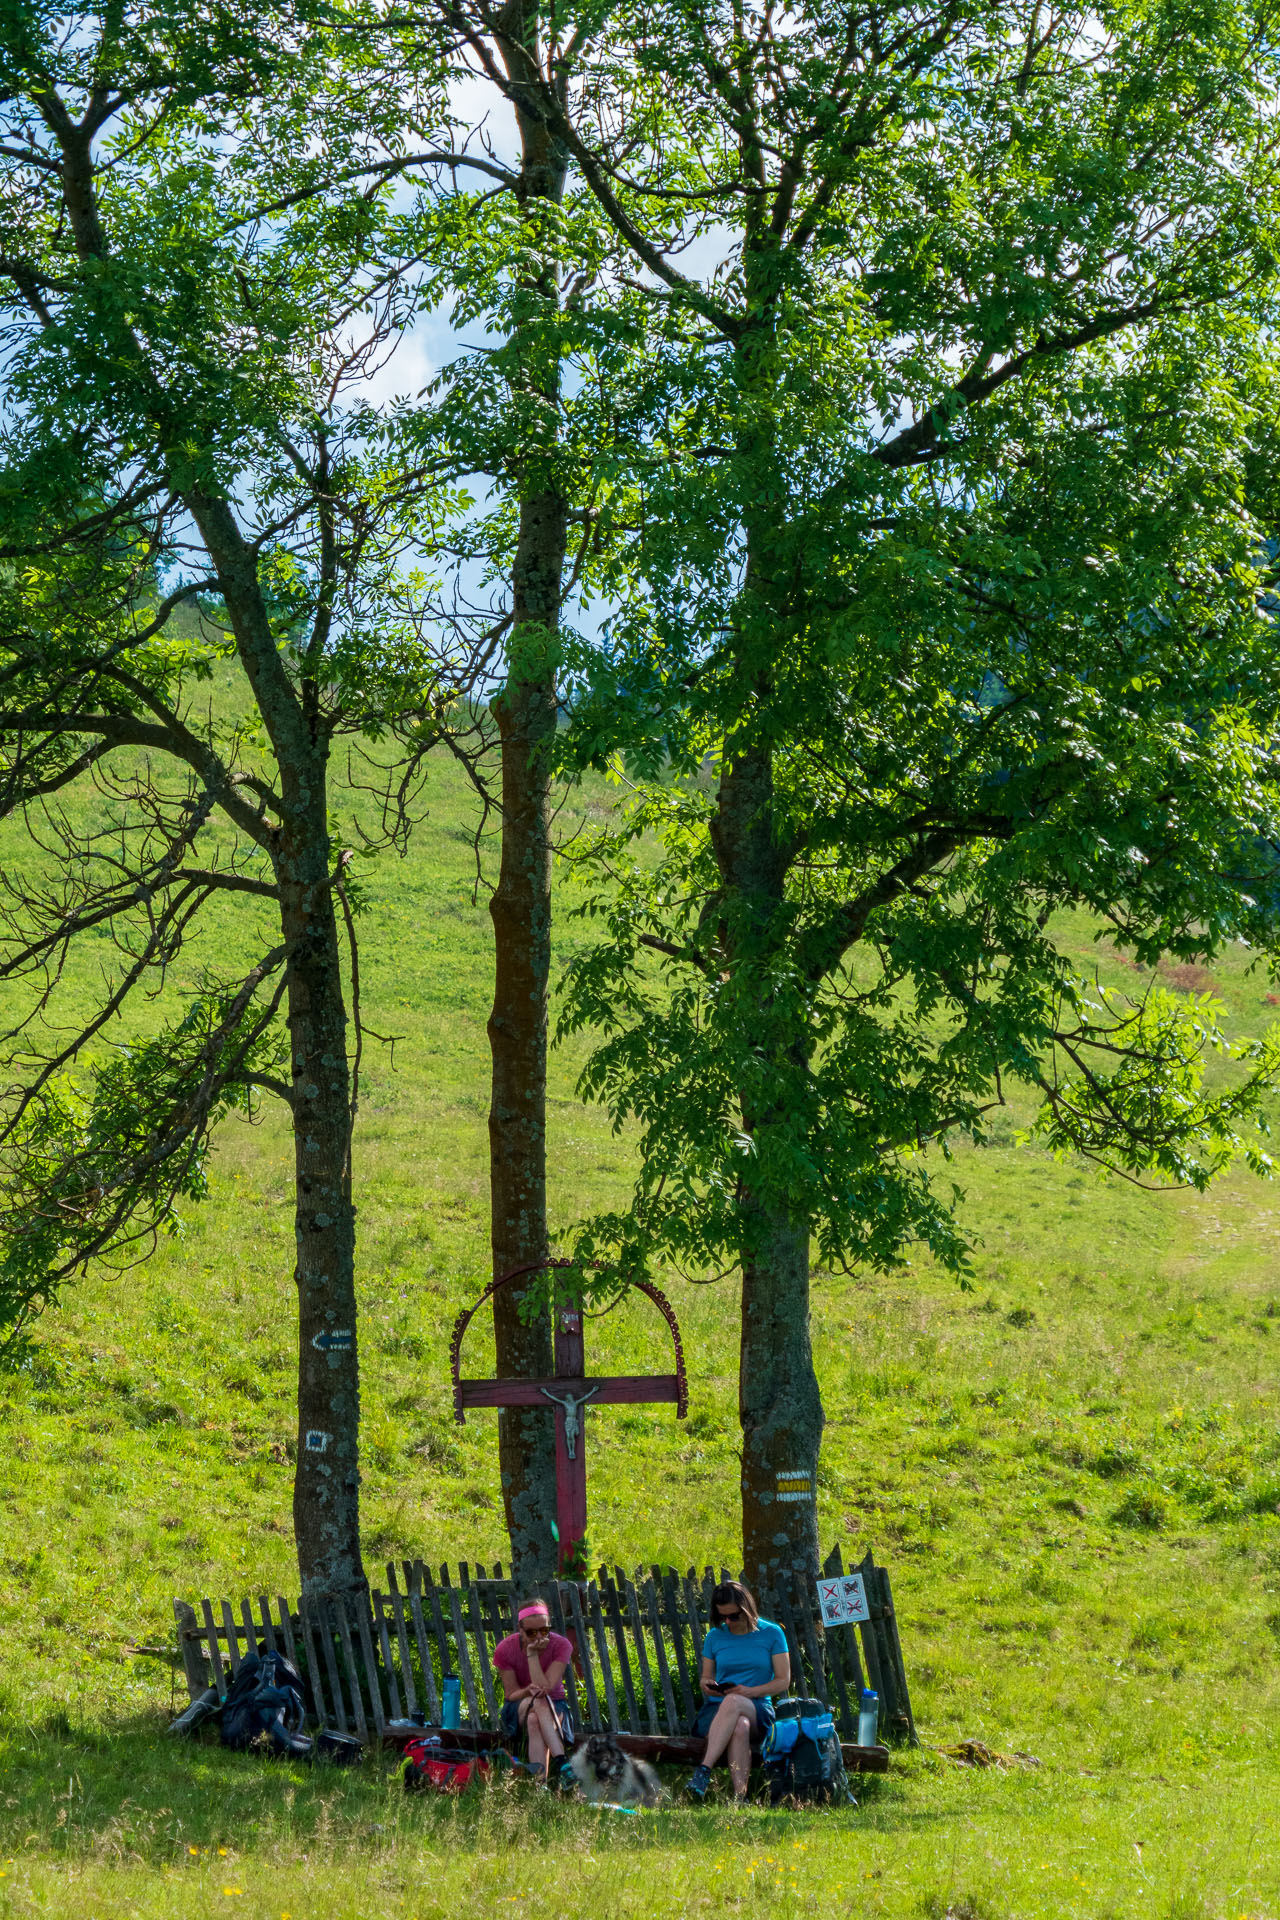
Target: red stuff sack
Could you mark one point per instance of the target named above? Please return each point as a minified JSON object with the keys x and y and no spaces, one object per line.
{"x":436,"y":1770}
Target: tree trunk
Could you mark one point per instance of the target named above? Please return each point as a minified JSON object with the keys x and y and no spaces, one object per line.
{"x":326,"y":1490}
{"x":521,"y":906}
{"x":779,"y":1405}
{"x":521,"y":910}
{"x":780,"y":1410}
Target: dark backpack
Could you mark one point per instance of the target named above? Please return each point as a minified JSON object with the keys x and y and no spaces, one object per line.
{"x":801,"y":1755}
{"x":265,"y":1705}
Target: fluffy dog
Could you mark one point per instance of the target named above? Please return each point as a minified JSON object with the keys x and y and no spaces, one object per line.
{"x":604,"y":1772}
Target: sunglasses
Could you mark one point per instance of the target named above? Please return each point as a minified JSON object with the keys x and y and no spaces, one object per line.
{"x":735,"y":1615}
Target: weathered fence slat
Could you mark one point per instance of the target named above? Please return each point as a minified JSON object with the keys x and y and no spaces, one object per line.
{"x":381,"y":1609}
{"x":642,"y":1654}
{"x":425,"y":1655}
{"x":402,"y":1641}
{"x":268,"y":1631}
{"x":193,"y":1662}
{"x":696,"y":1629}
{"x":584,"y":1653}
{"x":315,"y":1672}
{"x":355,"y":1690}
{"x":609,"y":1596}
{"x":562,"y":1626}
{"x":233,"y":1644}
{"x":361,"y":1608}
{"x":660,"y":1655}
{"x":665,"y":1586}
{"x":895,"y":1653}
{"x":477,"y":1625}
{"x":602,"y":1649}
{"x":250,"y":1630}
{"x":450,"y":1593}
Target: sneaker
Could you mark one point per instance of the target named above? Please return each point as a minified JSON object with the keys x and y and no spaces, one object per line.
{"x":699,"y":1781}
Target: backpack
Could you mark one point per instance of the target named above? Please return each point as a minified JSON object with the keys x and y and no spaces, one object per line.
{"x":801,"y":1755}
{"x":265,"y":1704}
{"x":432,"y":1768}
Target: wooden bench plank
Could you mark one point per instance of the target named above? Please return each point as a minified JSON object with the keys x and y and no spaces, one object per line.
{"x":673,"y":1749}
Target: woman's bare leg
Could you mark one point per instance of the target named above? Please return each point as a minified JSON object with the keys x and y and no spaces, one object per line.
{"x":722,"y":1728}
{"x":740,"y":1756}
{"x":545,"y":1743}
{"x":533,"y":1733}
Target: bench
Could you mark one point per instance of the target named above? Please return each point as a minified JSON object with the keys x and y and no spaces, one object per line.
{"x":370,"y":1668}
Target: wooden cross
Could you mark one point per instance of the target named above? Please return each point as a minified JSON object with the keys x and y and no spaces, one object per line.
{"x":568,"y":1391}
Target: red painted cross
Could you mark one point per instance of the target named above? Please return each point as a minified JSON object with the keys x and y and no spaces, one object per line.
{"x":568,"y":1391}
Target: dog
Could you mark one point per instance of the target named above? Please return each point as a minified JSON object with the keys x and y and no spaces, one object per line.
{"x":604,"y":1772}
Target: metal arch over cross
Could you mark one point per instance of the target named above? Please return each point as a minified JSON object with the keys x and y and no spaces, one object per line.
{"x":568,"y":1391}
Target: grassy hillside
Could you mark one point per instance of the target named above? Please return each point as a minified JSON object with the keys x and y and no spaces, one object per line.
{"x":1073,"y":1472}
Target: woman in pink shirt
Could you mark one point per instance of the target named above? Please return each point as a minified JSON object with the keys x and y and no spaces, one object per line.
{"x":532,"y":1663}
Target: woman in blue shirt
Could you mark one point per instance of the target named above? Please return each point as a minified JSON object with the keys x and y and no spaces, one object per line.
{"x":744,"y":1664}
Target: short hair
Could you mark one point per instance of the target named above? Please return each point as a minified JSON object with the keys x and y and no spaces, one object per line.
{"x":732,"y":1593}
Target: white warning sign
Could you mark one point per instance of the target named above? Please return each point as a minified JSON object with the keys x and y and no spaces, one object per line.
{"x":842,"y":1598}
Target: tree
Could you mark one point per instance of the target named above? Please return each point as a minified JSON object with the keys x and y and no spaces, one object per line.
{"x":197,"y":276}
{"x":530,"y":413}
{"x":954,"y":465}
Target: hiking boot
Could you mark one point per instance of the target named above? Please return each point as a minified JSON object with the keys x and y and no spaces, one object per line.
{"x":698,"y":1782}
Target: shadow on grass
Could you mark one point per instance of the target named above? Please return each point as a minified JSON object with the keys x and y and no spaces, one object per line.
{"x":130,"y":1792}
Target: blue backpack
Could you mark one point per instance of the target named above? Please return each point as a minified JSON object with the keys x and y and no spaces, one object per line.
{"x":801,"y":1754}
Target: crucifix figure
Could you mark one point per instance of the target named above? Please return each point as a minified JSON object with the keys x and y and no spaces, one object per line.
{"x":569,"y":1390}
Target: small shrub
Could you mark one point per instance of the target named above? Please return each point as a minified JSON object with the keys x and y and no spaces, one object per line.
{"x":1114,"y":1459}
{"x":1020,"y":1317}
{"x":1145,"y":1508}
{"x":437,"y":1449}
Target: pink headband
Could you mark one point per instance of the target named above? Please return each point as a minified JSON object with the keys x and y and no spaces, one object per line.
{"x":536,"y":1612}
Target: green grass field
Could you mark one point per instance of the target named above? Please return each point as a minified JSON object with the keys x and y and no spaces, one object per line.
{"x":1073,"y":1473}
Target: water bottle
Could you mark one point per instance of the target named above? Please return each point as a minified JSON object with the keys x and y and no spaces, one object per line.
{"x":868,"y":1716}
{"x":451,"y":1701}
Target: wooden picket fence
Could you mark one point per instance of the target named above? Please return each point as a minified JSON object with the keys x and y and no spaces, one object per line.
{"x":637,"y":1641}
